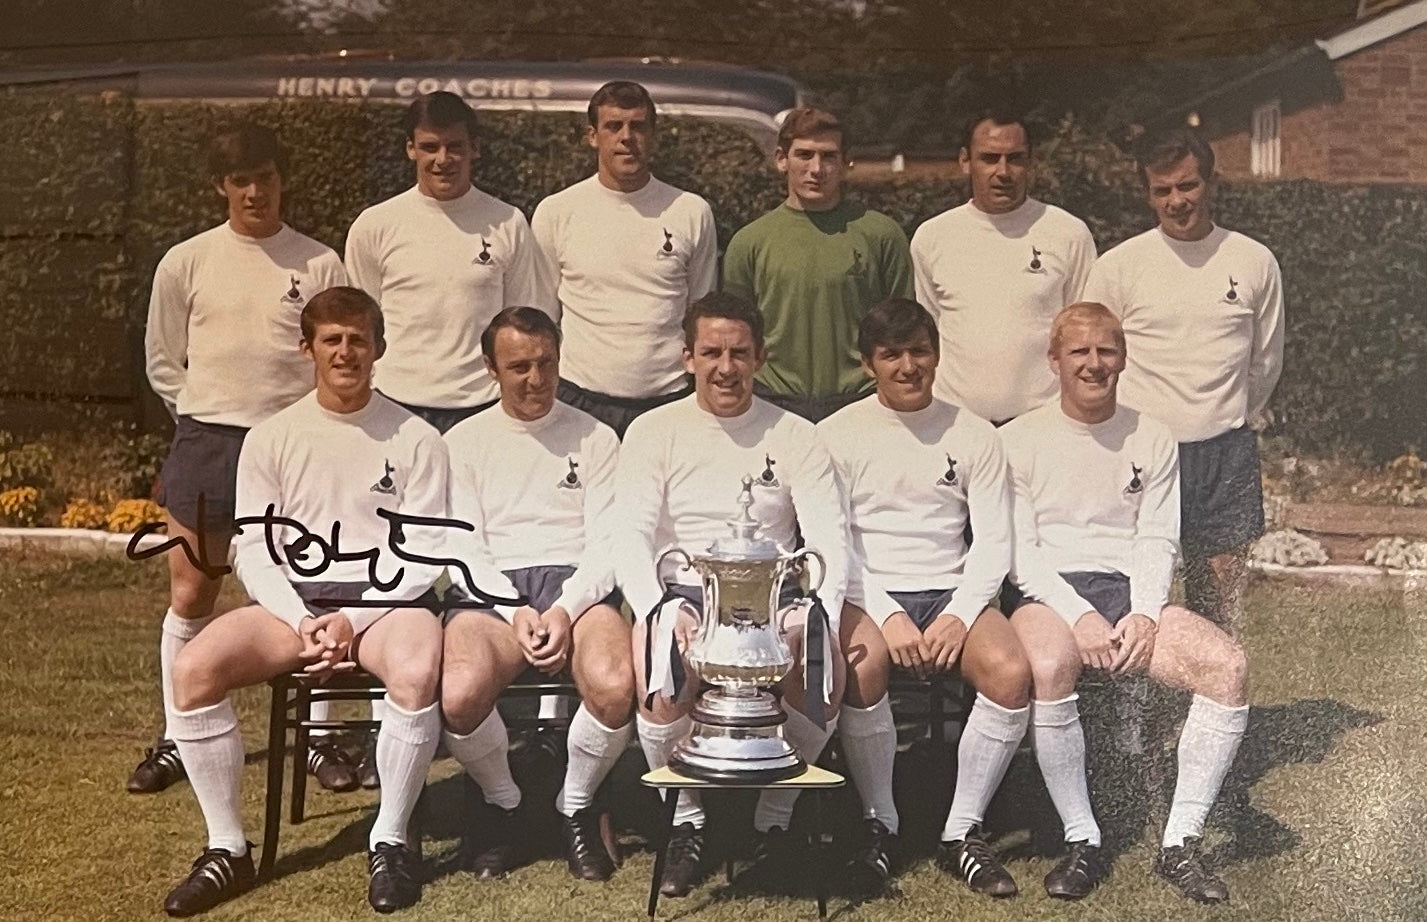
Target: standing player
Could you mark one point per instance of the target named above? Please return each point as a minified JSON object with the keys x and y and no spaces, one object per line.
{"x":1202,"y":309}
{"x":916,"y":470}
{"x":813,"y":266}
{"x":221,"y":347}
{"x":535,"y":477}
{"x":629,"y":253}
{"x":681,"y":470}
{"x":442,"y":258}
{"x":995,"y":271}
{"x":341,"y":455}
{"x":1096,"y":521}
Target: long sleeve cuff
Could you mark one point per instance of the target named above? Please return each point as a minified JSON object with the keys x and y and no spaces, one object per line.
{"x":1153,"y":574}
{"x":967,"y":606}
{"x":866,"y":593}
{"x":580,"y":593}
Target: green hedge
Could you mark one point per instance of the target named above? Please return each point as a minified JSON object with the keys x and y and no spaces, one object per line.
{"x":92,"y":191}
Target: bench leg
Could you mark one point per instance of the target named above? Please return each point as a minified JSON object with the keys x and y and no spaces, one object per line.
{"x":661,"y":856}
{"x":277,"y":756}
{"x":820,"y":870}
{"x":301,"y":713}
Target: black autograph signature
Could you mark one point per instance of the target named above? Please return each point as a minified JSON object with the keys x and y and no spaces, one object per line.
{"x":327,"y":552}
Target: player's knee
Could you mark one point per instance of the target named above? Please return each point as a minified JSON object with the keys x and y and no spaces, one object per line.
{"x":1010,"y":680}
{"x":867,"y":679}
{"x":412,"y":684}
{"x":463,"y":701}
{"x":611,"y":702}
{"x":1234,"y":674}
{"x":192,"y":596}
{"x":196,"y":683}
{"x":1053,"y":673}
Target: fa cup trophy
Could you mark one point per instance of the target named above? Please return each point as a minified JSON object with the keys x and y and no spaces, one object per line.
{"x":737,"y":736}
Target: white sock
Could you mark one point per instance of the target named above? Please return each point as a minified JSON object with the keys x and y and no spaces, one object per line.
{"x":987,"y":744}
{"x":552,"y":706}
{"x":1211,"y":737}
{"x":1059,"y":739}
{"x":484,"y":754}
{"x":405,"y":745}
{"x":321,"y":710}
{"x":658,"y":742}
{"x":869,"y":740}
{"x":775,"y":807}
{"x":212,"y":751}
{"x":175,"y":634}
{"x":593,"y":749}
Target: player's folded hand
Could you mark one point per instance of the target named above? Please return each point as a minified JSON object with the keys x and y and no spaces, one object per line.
{"x":1135,"y":635}
{"x":1096,"y":640}
{"x":906,"y":644}
{"x":944,"y":639}
{"x":553,"y":641}
{"x":529,"y":633}
{"x":326,"y":642}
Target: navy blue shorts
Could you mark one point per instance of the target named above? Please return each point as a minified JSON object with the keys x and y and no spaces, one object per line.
{"x":543,"y":585}
{"x":444,"y":418}
{"x":1107,"y":593}
{"x":1220,"y":494}
{"x":813,"y":409}
{"x":202,"y":461}
{"x":923,"y":605}
{"x":328,"y":592}
{"x":615,"y":412}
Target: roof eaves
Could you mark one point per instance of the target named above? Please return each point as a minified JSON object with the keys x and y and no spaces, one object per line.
{"x":1380,"y":28}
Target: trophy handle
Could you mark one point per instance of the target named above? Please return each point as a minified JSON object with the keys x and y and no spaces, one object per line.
{"x":688,"y":561}
{"x":788,"y":564}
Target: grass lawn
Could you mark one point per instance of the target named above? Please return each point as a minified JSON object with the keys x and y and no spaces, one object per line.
{"x":1322,"y":818}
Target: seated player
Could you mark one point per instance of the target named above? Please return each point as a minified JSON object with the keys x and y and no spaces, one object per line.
{"x":342,"y":454}
{"x":1096,"y":509}
{"x":681,"y":471}
{"x":915,"y":470}
{"x":535,"y":477}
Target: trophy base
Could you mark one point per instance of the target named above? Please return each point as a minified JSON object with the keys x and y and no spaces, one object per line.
{"x":737,"y":740}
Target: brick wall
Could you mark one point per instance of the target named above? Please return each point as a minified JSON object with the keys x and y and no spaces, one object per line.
{"x":1377,"y":131}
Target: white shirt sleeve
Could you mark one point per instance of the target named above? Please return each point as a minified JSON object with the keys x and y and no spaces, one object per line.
{"x":639,"y":486}
{"x":988,"y":501}
{"x":542,"y":231}
{"x":594,"y":574}
{"x":921,"y":275}
{"x":471,"y":547}
{"x":703,"y":263}
{"x":1033,"y":573}
{"x":257,"y":488}
{"x":1102,"y":286}
{"x":1156,"y":541}
{"x":166,"y":334}
{"x":1082,"y":261}
{"x":529,"y":283}
{"x":879,"y":603}
{"x":822,"y":519}
{"x":364,"y":269}
{"x":1266,"y":357}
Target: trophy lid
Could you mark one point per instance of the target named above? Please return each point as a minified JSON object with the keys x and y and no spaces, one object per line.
{"x":744,"y":542}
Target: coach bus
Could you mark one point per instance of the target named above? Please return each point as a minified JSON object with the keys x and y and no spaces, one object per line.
{"x":751,"y":100}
